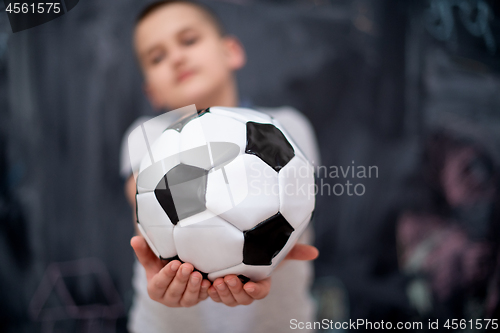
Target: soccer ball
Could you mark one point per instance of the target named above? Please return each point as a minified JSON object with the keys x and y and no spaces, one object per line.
{"x":227,"y":190}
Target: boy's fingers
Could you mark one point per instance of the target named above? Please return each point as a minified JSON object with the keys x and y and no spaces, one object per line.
{"x":236,"y":288}
{"x":258,"y":290}
{"x":302,"y":252}
{"x":214,"y":295}
{"x":190,"y":296}
{"x":205,"y":284}
{"x":179,"y":283}
{"x":224,"y":293}
{"x":159,"y":283}
{"x":146,"y":257}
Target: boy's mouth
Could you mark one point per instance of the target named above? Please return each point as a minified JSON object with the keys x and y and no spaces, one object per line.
{"x":182,"y":76}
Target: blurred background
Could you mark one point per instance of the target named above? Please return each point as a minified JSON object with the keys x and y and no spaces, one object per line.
{"x":411,"y":87}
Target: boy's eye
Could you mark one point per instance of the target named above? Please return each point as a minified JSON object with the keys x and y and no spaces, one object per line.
{"x":190,"y":40}
{"x":157,"y":57}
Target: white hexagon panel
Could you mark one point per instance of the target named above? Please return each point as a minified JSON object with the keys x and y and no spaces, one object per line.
{"x":244,"y":192}
{"x":209,"y":243}
{"x":155,"y":225}
{"x":203,"y":147}
{"x":167,"y":145}
{"x":297,"y":197}
{"x":165,"y":155}
{"x":234,"y":132}
{"x":193,"y":147}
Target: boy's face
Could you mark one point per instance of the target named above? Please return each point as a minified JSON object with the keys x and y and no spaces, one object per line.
{"x":183,"y":57}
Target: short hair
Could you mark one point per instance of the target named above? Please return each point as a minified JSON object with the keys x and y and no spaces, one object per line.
{"x":207,"y":11}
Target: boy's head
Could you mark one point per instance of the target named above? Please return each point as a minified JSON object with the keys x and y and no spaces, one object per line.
{"x":185,"y":56}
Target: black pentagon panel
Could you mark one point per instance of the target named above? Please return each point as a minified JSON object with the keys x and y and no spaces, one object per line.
{"x":265,"y":241}
{"x":164,"y":197}
{"x":181,"y":192}
{"x":268,"y":142}
{"x":179,"y":125}
{"x":188,"y":185}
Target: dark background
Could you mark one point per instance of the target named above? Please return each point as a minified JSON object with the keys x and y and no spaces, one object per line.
{"x":374,"y":77}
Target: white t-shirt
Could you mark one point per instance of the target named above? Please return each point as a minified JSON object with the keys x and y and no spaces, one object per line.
{"x":288,"y":299}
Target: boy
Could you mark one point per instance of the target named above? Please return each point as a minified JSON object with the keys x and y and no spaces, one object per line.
{"x":187,"y":58}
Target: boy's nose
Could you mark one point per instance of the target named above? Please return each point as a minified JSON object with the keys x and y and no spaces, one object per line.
{"x":177,"y":57}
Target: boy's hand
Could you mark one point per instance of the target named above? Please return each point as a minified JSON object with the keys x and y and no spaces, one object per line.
{"x":172,"y":284}
{"x":231,"y":291}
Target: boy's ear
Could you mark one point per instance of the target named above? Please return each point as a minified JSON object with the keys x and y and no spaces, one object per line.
{"x":235,"y":52}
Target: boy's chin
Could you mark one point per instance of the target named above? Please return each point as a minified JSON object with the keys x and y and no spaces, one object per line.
{"x":201,"y":100}
{"x":173,"y":105}
{"x":194,"y":92}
